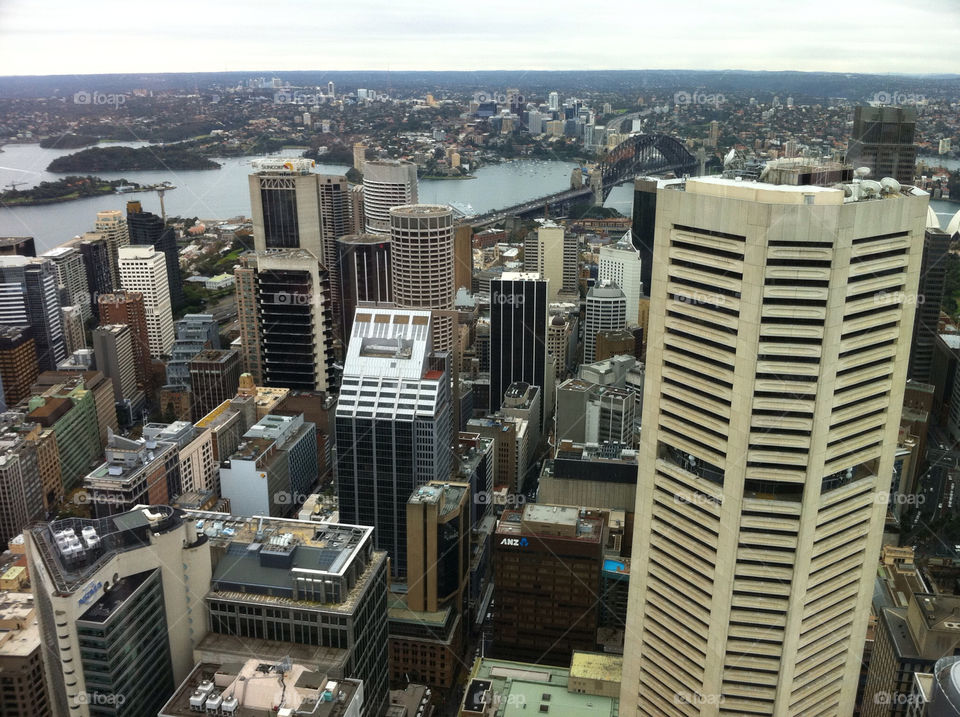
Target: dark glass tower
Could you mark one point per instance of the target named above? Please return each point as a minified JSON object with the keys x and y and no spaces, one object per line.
{"x":933,"y":267}
{"x":147,"y":229}
{"x":883,"y":140}
{"x":644,"y":225}
{"x":518,"y":334}
{"x":363,"y":264}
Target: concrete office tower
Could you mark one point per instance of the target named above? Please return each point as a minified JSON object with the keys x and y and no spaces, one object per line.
{"x":143,"y":269}
{"x":883,"y":140}
{"x":21,"y":492}
{"x":214,"y":377}
{"x":18,"y":363}
{"x":365,"y":274}
{"x":422,"y":260}
{"x":336,"y":221}
{"x":111,"y":583}
{"x":147,"y":229}
{"x":393,"y":423}
{"x":779,"y":340}
{"x":283,"y":307}
{"x":71,"y":278}
{"x":386,"y":184}
{"x":606,"y":311}
{"x":73,"y":332}
{"x":620,"y":264}
{"x":29,"y":297}
{"x":127,"y":307}
{"x":518,"y":334}
{"x":933,"y":269}
{"x":112,"y":226}
{"x":113,"y":347}
{"x":95,"y":252}
{"x":553,"y":254}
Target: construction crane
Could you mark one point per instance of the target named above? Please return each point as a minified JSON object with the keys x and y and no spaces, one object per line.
{"x":13,"y":185}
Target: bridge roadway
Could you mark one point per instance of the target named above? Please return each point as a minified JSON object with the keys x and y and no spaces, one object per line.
{"x":488,"y":218}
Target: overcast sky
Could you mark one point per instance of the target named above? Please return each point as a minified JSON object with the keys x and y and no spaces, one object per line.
{"x":97,"y":36}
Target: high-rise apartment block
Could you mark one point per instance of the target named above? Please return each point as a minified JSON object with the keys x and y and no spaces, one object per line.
{"x":147,"y":229}
{"x":779,"y":340}
{"x":422,"y":264}
{"x":29,"y":297}
{"x":144,"y":270}
{"x":393,"y":423}
{"x":71,"y":278}
{"x":386,"y":184}
{"x":112,"y":226}
{"x":283,"y":308}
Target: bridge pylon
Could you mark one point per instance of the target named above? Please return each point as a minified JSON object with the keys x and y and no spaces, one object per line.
{"x":596,"y":187}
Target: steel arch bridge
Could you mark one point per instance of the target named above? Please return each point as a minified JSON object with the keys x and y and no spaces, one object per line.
{"x":644,"y":154}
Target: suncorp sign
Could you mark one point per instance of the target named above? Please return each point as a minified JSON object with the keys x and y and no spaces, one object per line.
{"x":90,"y":592}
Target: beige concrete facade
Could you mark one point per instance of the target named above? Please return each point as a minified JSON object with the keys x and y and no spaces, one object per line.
{"x":780,"y":326}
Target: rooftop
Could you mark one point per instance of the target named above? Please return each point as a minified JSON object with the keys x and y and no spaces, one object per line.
{"x":596,"y":666}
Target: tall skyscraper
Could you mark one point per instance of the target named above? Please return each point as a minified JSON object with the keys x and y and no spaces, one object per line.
{"x":285,"y":201}
{"x":365,"y":273}
{"x":933,"y":269}
{"x":113,"y":347}
{"x":336,"y":219}
{"x":620,"y":264}
{"x":144,"y":270}
{"x":606,"y":310}
{"x":394,"y":423}
{"x":422,"y":261}
{"x":283,"y":307}
{"x":775,"y":375}
{"x":386,"y":184}
{"x":147,"y":229}
{"x":554,"y":101}
{"x":463,"y":257}
{"x":518,"y":333}
{"x":553,"y":254}
{"x":71,"y":278}
{"x":29,"y":297}
{"x":127,"y":307}
{"x":113,"y":228}
{"x":883,"y":140}
{"x":95,"y":251}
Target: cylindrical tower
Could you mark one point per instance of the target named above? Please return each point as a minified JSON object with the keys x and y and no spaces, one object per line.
{"x":386,"y":184}
{"x":422,"y":256}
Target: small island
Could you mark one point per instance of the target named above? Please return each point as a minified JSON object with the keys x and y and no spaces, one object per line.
{"x":65,"y":190}
{"x":127,"y":159}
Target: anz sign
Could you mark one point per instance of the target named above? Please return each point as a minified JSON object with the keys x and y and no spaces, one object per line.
{"x":515,"y":542}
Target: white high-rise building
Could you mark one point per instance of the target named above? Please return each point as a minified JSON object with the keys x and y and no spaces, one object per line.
{"x":606,"y":311}
{"x":144,"y":269}
{"x":554,"y":99}
{"x":422,"y":265}
{"x":112,"y":225}
{"x":552,"y":253}
{"x":386,"y":184}
{"x":620,"y":264}
{"x":72,"y":278}
{"x":779,"y":339}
